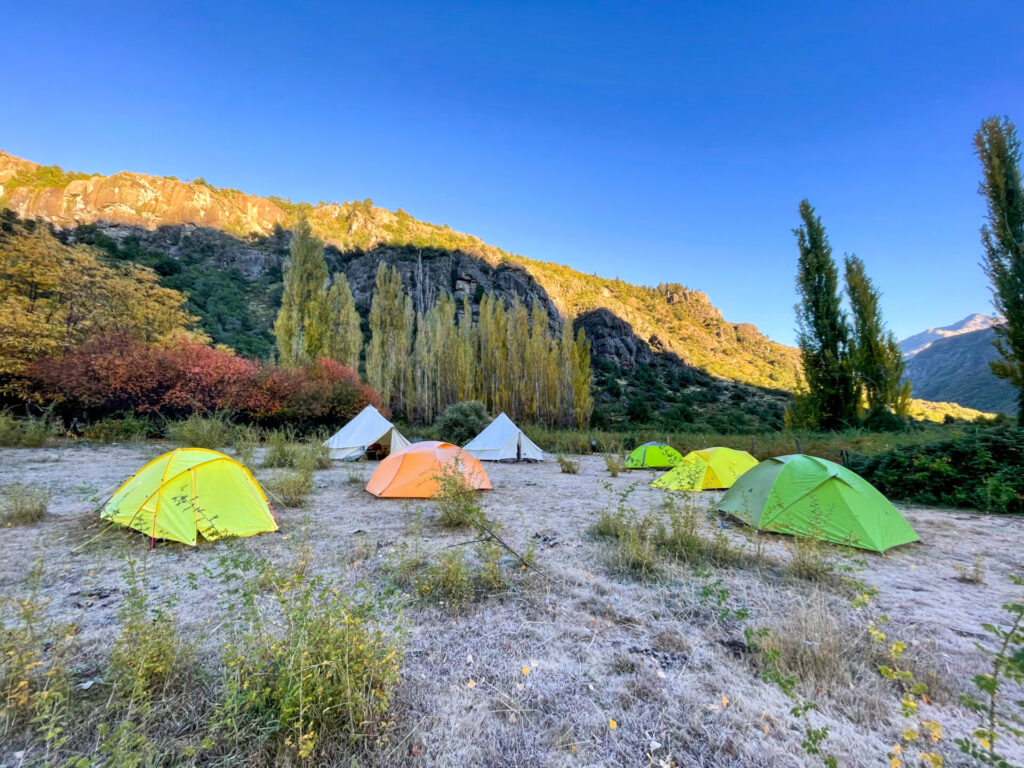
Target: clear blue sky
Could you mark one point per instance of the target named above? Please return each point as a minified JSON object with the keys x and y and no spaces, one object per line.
{"x":656,"y":141}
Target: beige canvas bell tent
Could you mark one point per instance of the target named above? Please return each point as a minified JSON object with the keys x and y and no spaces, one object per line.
{"x":366,"y":430}
{"x":502,"y":440}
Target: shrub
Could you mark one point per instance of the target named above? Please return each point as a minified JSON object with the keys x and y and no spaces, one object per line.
{"x":149,"y":653}
{"x":568,"y":466}
{"x":613,"y":465}
{"x":213,"y":432}
{"x":982,"y":468}
{"x":457,"y":501}
{"x":328,"y":674}
{"x":290,"y":487}
{"x":280,"y":449}
{"x":312,"y":456}
{"x":22,"y":504}
{"x":122,"y":429}
{"x":461,"y":422}
{"x":810,"y":559}
{"x":245,"y":440}
{"x":29,"y":432}
{"x":35,"y":671}
{"x":320,"y":394}
{"x":119,"y":375}
{"x":449,"y":580}
{"x":454,"y":579}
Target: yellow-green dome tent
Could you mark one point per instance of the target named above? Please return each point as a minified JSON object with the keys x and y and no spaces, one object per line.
{"x":191,"y":491}
{"x":653,"y":456}
{"x":706,"y":469}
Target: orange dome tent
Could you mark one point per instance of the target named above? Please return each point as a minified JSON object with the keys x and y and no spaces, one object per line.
{"x":411,"y":473}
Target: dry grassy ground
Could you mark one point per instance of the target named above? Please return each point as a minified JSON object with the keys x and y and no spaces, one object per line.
{"x":654,"y":656}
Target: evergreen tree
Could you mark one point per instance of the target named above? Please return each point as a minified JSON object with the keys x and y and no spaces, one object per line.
{"x":387,"y":355}
{"x":998,"y":149}
{"x":344,"y":339}
{"x":299,"y":327}
{"x":875,"y":355}
{"x":822,"y":329}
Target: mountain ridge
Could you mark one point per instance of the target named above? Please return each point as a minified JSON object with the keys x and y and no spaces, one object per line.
{"x":955,"y":368}
{"x":918,"y":342}
{"x":698,"y":333}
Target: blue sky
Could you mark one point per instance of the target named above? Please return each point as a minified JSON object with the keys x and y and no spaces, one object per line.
{"x":654,"y":141}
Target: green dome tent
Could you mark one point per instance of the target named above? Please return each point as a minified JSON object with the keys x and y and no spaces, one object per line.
{"x":654,"y":456}
{"x":808,"y":496}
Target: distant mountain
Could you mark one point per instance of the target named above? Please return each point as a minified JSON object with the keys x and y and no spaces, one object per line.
{"x":954,"y":367}
{"x":920,"y":341}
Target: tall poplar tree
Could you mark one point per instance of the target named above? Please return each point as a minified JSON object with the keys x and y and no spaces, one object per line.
{"x":876,"y":357}
{"x":582,"y":399}
{"x":299,"y":328}
{"x":823,"y":334}
{"x":344,"y":337}
{"x":1002,"y":236}
{"x":391,"y":325}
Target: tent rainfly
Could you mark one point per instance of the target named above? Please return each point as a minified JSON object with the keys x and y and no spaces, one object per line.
{"x":654,"y":456}
{"x":368,"y":428}
{"x":415,"y":472}
{"x":807,"y":496}
{"x":191,"y":492}
{"x":706,"y":469}
{"x":502,"y":440}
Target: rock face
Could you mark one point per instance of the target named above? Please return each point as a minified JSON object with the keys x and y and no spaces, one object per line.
{"x":612,"y":338}
{"x":206,"y":227}
{"x":956,"y":369}
{"x":427,"y":273}
{"x":137,"y":200}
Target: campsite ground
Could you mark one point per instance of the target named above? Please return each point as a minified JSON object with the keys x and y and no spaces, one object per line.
{"x":655,"y":656}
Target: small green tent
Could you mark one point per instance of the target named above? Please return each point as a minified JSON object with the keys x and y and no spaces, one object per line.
{"x":653,"y":456}
{"x":808,"y":496}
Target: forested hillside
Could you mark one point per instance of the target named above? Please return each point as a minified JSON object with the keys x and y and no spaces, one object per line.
{"x":660,"y":355}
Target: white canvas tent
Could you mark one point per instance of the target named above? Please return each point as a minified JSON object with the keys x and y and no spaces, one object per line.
{"x":503,"y":441}
{"x":369,"y":427}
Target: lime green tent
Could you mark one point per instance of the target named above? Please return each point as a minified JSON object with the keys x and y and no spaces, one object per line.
{"x":188,"y":492}
{"x":706,"y":469}
{"x":808,"y":496}
{"x":653,"y":456}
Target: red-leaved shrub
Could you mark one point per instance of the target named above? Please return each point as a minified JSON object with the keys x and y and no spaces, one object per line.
{"x":120,"y":375}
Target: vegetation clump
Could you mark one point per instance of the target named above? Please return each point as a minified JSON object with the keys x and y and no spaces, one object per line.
{"x":23,"y":504}
{"x":289,"y":487}
{"x":980,"y":468}
{"x":29,"y":432}
{"x":458,"y":502}
{"x":461,"y":422}
{"x":307,"y":670}
{"x":568,"y":466}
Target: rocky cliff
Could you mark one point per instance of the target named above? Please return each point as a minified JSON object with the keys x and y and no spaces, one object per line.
{"x":232,"y":231}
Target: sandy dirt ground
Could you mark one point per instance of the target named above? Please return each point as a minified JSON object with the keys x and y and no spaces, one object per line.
{"x":652,"y":656}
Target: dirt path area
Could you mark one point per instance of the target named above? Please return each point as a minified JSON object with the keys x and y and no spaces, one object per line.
{"x":652,"y":656}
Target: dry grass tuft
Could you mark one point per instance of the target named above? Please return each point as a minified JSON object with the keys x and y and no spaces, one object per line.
{"x":612,"y":464}
{"x":22,"y":504}
{"x":568,"y":466}
{"x":972,"y":574}
{"x":289,"y":487}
